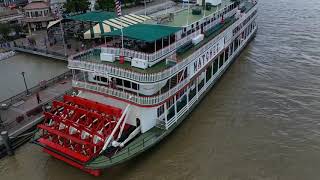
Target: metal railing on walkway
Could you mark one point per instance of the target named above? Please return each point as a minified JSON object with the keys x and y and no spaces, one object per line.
{"x":16,"y":125}
{"x":36,"y":88}
{"x":39,"y":51}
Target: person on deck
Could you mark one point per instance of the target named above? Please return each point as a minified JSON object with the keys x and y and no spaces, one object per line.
{"x":38,"y":98}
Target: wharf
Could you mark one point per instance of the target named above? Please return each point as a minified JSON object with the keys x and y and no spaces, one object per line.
{"x":21,"y":116}
{"x":24,"y":113}
{"x":40,"y":52}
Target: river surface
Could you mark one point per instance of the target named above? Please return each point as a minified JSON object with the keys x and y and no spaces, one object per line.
{"x":261,"y":121}
{"x":36,"y":68}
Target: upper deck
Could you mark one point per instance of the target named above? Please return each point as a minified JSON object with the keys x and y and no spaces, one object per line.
{"x":184,"y":16}
{"x":166,"y":55}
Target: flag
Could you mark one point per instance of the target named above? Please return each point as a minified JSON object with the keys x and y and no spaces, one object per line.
{"x":118,"y":7}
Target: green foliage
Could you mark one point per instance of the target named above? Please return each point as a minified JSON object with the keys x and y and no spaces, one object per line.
{"x":107,"y":5}
{"x":76,"y":6}
{"x":4,"y":31}
{"x":17,"y":28}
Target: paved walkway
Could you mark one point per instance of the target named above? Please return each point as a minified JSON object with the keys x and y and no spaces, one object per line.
{"x":141,"y":6}
{"x":21,"y":113}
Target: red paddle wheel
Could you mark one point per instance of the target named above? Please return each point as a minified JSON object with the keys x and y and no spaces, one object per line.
{"x":76,"y":129}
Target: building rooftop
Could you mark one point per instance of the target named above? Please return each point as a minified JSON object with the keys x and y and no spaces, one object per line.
{"x":36,"y":5}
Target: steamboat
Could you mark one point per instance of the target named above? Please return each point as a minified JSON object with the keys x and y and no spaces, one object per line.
{"x":138,"y":86}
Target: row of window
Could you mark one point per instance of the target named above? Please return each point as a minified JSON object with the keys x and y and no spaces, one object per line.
{"x":196,"y":26}
{"x":117,"y":82}
{"x":37,"y":13}
{"x":211,"y":70}
{"x":238,"y":28}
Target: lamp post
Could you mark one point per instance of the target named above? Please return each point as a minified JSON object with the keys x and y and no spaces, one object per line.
{"x":25,"y":83}
{"x":63,"y":39}
{"x":1,"y":122}
{"x":145,"y":8}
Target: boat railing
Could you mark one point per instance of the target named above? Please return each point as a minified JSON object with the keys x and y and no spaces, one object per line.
{"x":137,"y":146}
{"x":36,"y":88}
{"x":77,"y":63}
{"x":137,"y":76}
{"x":151,"y":58}
{"x":130,"y":150}
{"x":155,"y":57}
{"x":215,"y":22}
{"x":133,"y":98}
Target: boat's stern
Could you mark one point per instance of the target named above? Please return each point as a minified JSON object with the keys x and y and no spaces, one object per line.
{"x":76,"y":130}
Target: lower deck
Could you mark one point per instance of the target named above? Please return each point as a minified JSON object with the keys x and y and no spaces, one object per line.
{"x":141,"y":143}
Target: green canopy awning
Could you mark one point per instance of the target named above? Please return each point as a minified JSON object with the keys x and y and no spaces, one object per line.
{"x":145,"y":32}
{"x":94,"y":16}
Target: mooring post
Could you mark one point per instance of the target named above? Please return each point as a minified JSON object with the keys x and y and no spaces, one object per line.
{"x":6,"y":142}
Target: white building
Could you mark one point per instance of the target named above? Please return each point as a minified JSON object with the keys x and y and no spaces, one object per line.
{"x":37,"y":15}
{"x":213,"y":2}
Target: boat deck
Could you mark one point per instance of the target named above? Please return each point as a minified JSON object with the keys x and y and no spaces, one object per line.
{"x":185,"y":17}
{"x":160,"y":66}
{"x":215,"y":32}
{"x":95,"y":58}
{"x":140,"y":144}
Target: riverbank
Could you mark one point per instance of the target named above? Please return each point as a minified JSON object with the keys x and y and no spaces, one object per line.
{"x":20,"y":117}
{"x":23,"y":108}
{"x":36,"y":68}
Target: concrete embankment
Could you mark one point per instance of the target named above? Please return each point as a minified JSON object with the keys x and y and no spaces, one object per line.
{"x":20,"y":114}
{"x":40,"y":52}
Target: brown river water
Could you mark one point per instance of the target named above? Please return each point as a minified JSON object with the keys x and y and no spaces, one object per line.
{"x":261,"y":121}
{"x":36,"y":68}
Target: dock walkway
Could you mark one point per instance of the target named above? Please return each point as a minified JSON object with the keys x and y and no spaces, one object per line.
{"x":24,"y":113}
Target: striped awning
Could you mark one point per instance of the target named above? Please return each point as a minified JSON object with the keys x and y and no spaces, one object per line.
{"x":114,"y":24}
{"x":52,"y":23}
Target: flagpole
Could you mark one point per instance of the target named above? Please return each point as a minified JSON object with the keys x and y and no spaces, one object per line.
{"x":204,"y":10}
{"x":145,"y":8}
{"x":121,"y":36}
{"x":188,"y":12}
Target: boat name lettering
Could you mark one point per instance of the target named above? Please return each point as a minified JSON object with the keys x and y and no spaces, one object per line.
{"x":203,"y":59}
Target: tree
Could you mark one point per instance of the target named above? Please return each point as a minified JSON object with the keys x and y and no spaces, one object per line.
{"x":76,"y":6}
{"x":17,"y":28}
{"x":4,"y":31}
{"x":107,"y":5}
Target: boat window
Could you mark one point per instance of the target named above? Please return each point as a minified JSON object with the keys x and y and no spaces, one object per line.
{"x":135,"y":86}
{"x":209,"y":73}
{"x":215,"y":66}
{"x":170,"y":102}
{"x":127,"y":84}
{"x":160,"y":110}
{"x":227,"y":54}
{"x":119,"y":82}
{"x":103,"y":79}
{"x":180,"y":94}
